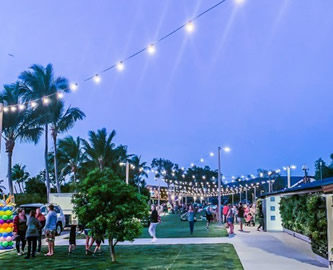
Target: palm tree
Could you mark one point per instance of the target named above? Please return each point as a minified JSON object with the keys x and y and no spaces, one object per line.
{"x":139,"y":171}
{"x":20,"y":175}
{"x":39,"y":82}
{"x":61,"y":121}
{"x":70,"y":153}
{"x":17,"y":125}
{"x":100,"y":149}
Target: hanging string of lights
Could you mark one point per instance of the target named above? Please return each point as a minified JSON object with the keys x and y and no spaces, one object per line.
{"x":189,"y":27}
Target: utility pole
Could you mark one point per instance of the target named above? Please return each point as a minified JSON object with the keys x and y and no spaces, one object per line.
{"x":321,"y":170}
{"x":219,"y":185}
{"x":127,"y":172}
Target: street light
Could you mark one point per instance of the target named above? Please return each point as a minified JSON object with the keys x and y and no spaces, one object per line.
{"x":288,"y":168}
{"x":227,"y":150}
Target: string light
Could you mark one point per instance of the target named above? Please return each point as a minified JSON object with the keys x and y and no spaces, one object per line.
{"x":151,"y":49}
{"x":73,"y":86}
{"x":33,"y":104}
{"x":189,"y":27}
{"x":60,"y":95}
{"x":13,"y":109}
{"x":211,"y":154}
{"x":21,"y":107}
{"x":239,"y":2}
{"x":46,"y":100}
{"x":5,"y":109}
{"x":97,"y":78}
{"x":120,"y":66}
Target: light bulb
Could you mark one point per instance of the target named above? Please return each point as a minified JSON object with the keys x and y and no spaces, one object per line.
{"x":13,"y":109}
{"x":21,"y":107}
{"x":46,"y":100}
{"x":151,"y":49}
{"x":33,"y":104}
{"x":239,"y":2}
{"x":202,"y":160}
{"x":74,"y":86}
{"x":5,"y":109}
{"x":60,"y":95}
{"x":97,"y":78}
{"x":120,"y":66}
{"x":189,"y":26}
{"x":211,"y":154}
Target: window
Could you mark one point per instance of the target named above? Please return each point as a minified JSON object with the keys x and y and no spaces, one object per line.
{"x":57,"y":209}
{"x":272,"y":218}
{"x":272,"y":199}
{"x":272,"y":208}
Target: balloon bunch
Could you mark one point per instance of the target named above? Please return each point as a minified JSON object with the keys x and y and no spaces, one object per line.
{"x":6,"y":223}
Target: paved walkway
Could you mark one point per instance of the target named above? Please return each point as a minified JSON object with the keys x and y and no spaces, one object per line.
{"x":256,"y":250}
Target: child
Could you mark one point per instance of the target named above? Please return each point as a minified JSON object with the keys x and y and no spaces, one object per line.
{"x":72,"y":239}
{"x":99,"y":239}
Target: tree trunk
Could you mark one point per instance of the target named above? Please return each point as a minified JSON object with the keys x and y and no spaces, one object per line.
{"x":9,"y":149}
{"x":54,"y":136}
{"x":112,"y":251}
{"x":47,"y":176}
{"x":20,"y":188}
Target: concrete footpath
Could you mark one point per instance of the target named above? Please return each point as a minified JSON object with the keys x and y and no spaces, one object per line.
{"x":256,"y":250}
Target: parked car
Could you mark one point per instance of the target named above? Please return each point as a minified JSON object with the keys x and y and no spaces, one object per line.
{"x":44,"y":210}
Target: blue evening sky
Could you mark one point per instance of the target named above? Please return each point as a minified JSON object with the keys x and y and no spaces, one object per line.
{"x":256,"y":77}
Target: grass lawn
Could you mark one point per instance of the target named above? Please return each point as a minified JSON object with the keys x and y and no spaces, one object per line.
{"x":172,"y":227}
{"x":205,"y":256}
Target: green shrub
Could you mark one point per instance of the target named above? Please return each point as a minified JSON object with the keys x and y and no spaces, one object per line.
{"x":306,"y":214}
{"x":24,"y":198}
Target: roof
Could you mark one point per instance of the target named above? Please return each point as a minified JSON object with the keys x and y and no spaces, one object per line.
{"x":32,"y":205}
{"x":262,"y":180}
{"x":316,"y":185}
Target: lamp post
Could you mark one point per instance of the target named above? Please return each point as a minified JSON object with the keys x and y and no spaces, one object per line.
{"x":288,"y":168}
{"x":225,"y":149}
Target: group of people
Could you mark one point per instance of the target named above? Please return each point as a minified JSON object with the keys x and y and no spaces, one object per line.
{"x":242,"y":214}
{"x":29,"y":229}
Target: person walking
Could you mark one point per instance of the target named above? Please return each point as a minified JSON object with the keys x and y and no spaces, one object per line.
{"x":230,"y":220}
{"x":50,"y":229}
{"x":41,"y":219}
{"x":20,"y":228}
{"x":72,"y":238}
{"x":32,"y":234}
{"x":190,"y":218}
{"x":225,"y":212}
{"x":154,"y":220}
{"x":260,"y":218}
{"x":209,"y":216}
{"x":240,"y":216}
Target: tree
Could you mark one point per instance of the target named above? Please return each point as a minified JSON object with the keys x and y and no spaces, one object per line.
{"x":71,"y":154}
{"x":20,"y":175}
{"x":61,"y":121}
{"x":18,"y":124}
{"x":101,"y":151}
{"x":106,"y":205}
{"x":138,"y":172}
{"x":39,"y":83}
{"x":36,"y":185}
{"x":322,"y":170}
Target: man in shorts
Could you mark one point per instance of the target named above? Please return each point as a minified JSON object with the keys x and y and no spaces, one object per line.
{"x":50,"y":229}
{"x":240,"y":216}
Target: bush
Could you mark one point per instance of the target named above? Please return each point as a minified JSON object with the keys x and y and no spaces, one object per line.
{"x":24,"y":198}
{"x":306,"y":214}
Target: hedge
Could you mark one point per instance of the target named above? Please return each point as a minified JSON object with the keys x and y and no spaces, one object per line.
{"x":306,"y":214}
